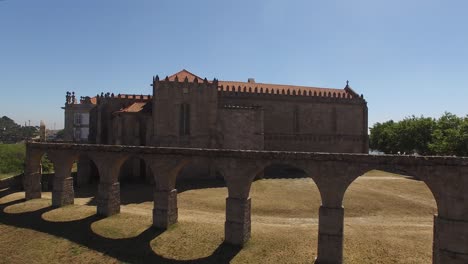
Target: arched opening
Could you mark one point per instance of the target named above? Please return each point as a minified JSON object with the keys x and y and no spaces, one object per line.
{"x":282,"y":171}
{"x":136,"y":184}
{"x":199,"y":174}
{"x":201,"y":203}
{"x":389,"y":218}
{"x":285,"y":206}
{"x":37,"y":182}
{"x":47,"y":173}
{"x":135,"y":170}
{"x":136,"y":194}
{"x":86,"y":179}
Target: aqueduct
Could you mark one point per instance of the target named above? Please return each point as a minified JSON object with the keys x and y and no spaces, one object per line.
{"x":446,"y":177}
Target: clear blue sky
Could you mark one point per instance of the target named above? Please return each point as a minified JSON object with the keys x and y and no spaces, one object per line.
{"x":406,"y":57}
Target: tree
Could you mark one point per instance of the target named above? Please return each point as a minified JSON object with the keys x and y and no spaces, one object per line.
{"x":10,"y":132}
{"x":447,"y":135}
{"x":450,"y":136}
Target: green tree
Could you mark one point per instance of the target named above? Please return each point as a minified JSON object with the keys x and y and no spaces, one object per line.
{"x":447,"y":135}
{"x":450,"y":136}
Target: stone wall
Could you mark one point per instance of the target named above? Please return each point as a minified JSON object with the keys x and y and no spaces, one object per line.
{"x":202,"y":102}
{"x":241,"y":127}
{"x":300,"y":123}
{"x":12,"y":182}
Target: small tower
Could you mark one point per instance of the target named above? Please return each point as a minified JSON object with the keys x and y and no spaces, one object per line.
{"x":42,"y":132}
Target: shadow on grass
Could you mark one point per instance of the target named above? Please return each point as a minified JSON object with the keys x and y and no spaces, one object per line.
{"x":135,"y":193}
{"x":130,"y":250}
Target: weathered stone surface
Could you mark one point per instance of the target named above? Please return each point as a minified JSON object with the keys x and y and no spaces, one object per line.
{"x":63,"y":193}
{"x":32,"y":185}
{"x":330,"y":237}
{"x":452,"y":235}
{"x":237,"y":226}
{"x":165,"y":212}
{"x":108,"y":202}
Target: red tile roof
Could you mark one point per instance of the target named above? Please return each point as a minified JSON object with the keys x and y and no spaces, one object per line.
{"x":135,"y":108}
{"x":276,"y":88}
{"x":267,"y":88}
{"x":184,"y":73}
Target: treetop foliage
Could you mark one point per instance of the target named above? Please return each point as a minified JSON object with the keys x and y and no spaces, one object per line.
{"x":447,"y":135}
{"x":10,"y":132}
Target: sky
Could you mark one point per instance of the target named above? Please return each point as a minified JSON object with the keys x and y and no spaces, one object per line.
{"x":408,"y":57}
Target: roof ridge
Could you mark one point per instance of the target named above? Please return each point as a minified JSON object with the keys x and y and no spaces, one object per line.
{"x":185,"y":71}
{"x":286,"y":85}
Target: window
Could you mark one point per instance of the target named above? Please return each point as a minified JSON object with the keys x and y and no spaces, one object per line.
{"x":184,"y":120}
{"x":77,"y":119}
{"x":77,"y":134}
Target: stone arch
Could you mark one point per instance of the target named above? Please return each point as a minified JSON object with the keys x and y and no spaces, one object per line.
{"x":381,"y":182}
{"x":135,"y":169}
{"x":33,"y":173}
{"x":61,"y":179}
{"x":297,"y":196}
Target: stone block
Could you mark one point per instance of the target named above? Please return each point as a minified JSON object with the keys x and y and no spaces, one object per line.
{"x":331,"y":220}
{"x":32,"y":186}
{"x":165,"y":212}
{"x":165,"y":199}
{"x":451,"y":257}
{"x":451,"y":235}
{"x":108,"y":202}
{"x":330,"y":249}
{"x":237,"y":227}
{"x":163,"y":219}
{"x":238,"y":210}
{"x":236,"y":233}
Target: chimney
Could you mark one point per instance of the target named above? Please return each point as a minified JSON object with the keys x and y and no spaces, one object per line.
{"x":251,"y":80}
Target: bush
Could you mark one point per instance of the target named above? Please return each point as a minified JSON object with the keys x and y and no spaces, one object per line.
{"x":12,"y":157}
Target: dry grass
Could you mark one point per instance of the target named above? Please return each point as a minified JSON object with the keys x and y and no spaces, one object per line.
{"x":388,"y":220}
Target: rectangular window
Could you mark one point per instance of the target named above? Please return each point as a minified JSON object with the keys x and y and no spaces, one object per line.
{"x":184,"y":120}
{"x":77,"y":119}
{"x":77,"y":134}
{"x":84,"y":118}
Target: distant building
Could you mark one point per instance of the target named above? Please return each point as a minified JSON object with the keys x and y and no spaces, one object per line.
{"x":77,"y":115}
{"x":185,"y":110}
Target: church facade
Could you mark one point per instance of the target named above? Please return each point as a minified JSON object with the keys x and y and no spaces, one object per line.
{"x":185,"y":110}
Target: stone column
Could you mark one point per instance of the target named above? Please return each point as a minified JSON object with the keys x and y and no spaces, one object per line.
{"x":450,"y":241}
{"x":165,"y":211}
{"x":62,"y":192}
{"x":32,"y":185}
{"x":237,"y":225}
{"x":108,"y":200}
{"x":330,"y":238}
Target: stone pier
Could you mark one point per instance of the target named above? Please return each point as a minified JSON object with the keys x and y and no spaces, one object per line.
{"x":108,"y":200}
{"x":237,"y":226}
{"x":32,"y":185}
{"x":165,"y":211}
{"x":62,"y":193}
{"x":450,"y":241}
{"x":330,"y":237}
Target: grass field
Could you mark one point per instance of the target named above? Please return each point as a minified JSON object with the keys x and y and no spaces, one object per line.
{"x":388,"y":219}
